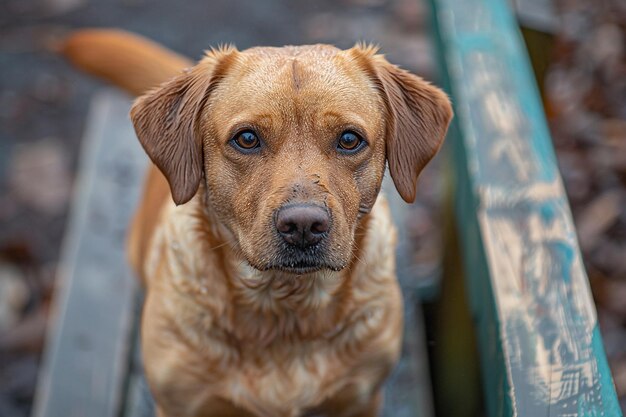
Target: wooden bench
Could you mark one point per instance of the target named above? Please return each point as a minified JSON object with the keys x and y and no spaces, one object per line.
{"x":512,"y":255}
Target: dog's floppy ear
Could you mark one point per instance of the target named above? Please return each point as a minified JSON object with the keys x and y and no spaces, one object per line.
{"x":418,"y":118}
{"x":167,"y":122}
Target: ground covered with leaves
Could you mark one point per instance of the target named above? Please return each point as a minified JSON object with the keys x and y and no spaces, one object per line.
{"x":585,"y":91}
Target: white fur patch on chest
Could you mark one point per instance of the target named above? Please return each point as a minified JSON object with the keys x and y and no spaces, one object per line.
{"x":293,"y":386}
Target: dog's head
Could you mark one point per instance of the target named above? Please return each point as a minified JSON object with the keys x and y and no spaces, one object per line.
{"x":291,"y":144}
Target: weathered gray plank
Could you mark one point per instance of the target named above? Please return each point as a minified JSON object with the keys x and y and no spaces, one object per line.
{"x":86,"y":356}
{"x":540,"y":344}
{"x":408,"y":391}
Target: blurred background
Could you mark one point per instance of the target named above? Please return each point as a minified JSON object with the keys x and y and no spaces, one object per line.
{"x":579,"y":54}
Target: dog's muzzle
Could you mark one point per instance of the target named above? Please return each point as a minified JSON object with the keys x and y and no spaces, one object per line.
{"x":302,"y":231}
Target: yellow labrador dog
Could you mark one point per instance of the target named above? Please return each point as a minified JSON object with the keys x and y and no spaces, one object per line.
{"x":265,"y":248}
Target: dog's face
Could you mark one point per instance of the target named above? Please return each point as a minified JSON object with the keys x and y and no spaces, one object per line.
{"x":291,"y":143}
{"x":295,"y":151}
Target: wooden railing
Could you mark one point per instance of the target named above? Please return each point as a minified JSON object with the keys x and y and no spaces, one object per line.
{"x":540,"y":346}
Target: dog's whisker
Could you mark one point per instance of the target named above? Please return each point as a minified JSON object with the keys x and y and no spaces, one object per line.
{"x":354,"y":253}
{"x":228,"y":242}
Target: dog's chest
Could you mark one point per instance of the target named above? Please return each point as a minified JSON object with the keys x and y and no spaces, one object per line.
{"x":287,"y":379}
{"x":285,"y":387}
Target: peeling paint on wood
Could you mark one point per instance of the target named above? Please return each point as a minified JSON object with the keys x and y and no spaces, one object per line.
{"x":540,"y":344}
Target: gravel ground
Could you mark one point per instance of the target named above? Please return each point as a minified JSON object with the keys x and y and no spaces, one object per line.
{"x":43,"y":104}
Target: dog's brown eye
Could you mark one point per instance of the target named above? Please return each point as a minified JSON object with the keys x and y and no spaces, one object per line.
{"x":247,"y":140}
{"x":350,"y":142}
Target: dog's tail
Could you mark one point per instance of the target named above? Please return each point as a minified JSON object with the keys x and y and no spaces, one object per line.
{"x":126,"y":60}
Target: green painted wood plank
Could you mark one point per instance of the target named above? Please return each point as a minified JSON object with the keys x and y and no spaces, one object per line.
{"x":540,"y":345}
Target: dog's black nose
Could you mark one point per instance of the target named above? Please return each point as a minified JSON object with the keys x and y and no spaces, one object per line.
{"x":302,"y":225}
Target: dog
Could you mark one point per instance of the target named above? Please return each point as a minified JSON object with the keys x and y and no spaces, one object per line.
{"x":264,"y":246}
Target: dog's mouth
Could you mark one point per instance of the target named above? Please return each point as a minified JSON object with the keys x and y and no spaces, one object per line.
{"x":298,"y":268}
{"x":301,"y":268}
{"x":293,"y":260}
{"x":298,"y":264}
{"x":303,"y":261}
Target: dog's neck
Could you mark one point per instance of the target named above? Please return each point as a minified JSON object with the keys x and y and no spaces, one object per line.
{"x":270,"y":305}
{"x":263,"y":306}
{"x":278,"y":291}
